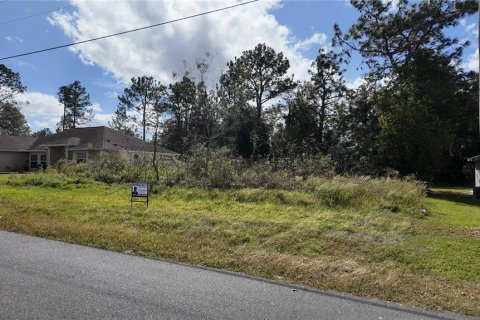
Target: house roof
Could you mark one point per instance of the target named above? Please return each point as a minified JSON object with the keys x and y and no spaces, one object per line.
{"x":90,"y":138}
{"x":116,"y":140}
{"x":13,"y":143}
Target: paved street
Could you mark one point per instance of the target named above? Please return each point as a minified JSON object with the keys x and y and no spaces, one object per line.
{"x":44,"y":279}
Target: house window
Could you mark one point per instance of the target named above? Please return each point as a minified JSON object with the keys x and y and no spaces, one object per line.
{"x":33,"y":161}
{"x":43,"y":160}
{"x":81,"y":157}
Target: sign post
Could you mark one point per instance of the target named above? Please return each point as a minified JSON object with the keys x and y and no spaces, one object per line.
{"x":140,"y":192}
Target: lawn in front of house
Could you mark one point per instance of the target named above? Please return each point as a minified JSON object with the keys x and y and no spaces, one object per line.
{"x":370,"y":243}
{"x":448,"y":243}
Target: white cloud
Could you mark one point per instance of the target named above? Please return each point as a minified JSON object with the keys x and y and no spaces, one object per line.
{"x":160,"y":51}
{"x":472,"y":62}
{"x":356,"y":83}
{"x":316,"y":38}
{"x":101,"y":119}
{"x":472,"y":32}
{"x":41,"y":104}
{"x":43,"y":122}
{"x":96,"y":107}
{"x":393,"y":4}
{"x":44,"y":111}
{"x":469,"y":28}
{"x":14,"y":38}
{"x":111,"y":94}
{"x":472,"y":28}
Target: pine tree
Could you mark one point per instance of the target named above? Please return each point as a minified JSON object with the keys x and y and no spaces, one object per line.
{"x":76,"y":103}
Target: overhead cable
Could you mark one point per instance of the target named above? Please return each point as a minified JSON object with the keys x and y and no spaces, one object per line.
{"x":128,"y":31}
{"x":33,"y":15}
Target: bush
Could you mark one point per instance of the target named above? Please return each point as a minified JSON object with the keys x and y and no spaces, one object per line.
{"x":219,"y":169}
{"x":49,"y":178}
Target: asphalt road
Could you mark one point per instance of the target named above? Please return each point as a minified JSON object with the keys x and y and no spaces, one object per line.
{"x":44,"y":279}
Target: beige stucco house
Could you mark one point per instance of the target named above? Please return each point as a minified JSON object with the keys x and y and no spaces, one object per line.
{"x":79,"y":144}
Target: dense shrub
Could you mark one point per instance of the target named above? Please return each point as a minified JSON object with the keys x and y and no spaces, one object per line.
{"x":218,"y":169}
{"x":48,"y":178}
{"x":383,"y":193}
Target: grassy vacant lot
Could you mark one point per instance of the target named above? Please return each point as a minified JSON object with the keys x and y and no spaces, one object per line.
{"x":375,"y":238}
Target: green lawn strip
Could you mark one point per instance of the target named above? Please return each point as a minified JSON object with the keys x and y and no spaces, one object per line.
{"x":447,"y":242}
{"x":368,"y":250}
{"x":455,"y":209}
{"x":452,"y":257}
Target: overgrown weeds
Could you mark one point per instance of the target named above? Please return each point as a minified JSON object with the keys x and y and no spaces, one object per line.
{"x":50,"y":179}
{"x":217,"y":170}
{"x":385,"y":194}
{"x":221,"y":170}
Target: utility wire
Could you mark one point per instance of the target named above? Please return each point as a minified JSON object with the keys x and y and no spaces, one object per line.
{"x":33,"y":15}
{"x":128,"y":31}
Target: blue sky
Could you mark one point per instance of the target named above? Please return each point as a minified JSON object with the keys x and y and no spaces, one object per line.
{"x":298,"y":28}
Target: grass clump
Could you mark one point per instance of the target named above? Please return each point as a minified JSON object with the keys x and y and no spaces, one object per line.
{"x":332,"y":191}
{"x":49,"y":179}
{"x":381,"y":193}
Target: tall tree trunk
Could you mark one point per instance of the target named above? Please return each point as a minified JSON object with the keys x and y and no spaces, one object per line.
{"x":321,"y":120}
{"x":75,"y":114}
{"x":64,"y":116}
{"x":259,"y":111}
{"x":144,"y":120}
{"x":258,"y":101}
{"x":155,"y":164}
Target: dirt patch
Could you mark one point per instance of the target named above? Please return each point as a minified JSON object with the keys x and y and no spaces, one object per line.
{"x":476,"y":233}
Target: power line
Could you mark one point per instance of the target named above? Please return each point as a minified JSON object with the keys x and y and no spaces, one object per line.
{"x":129,"y":31}
{"x":32,"y":15}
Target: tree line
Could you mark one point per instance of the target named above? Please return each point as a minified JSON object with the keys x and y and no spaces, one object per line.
{"x":415,"y":112}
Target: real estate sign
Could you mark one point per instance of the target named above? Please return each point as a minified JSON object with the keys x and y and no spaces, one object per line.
{"x":139,"y":190}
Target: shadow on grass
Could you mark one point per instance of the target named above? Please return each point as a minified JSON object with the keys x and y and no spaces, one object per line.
{"x":462,"y":198}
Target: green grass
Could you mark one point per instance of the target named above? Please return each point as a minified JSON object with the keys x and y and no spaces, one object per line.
{"x":448,"y":242}
{"x":365,"y":237}
{"x":4,"y":177}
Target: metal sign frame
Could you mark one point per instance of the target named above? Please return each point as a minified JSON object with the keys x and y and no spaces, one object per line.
{"x":139,"y":191}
